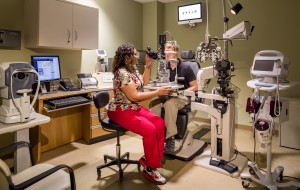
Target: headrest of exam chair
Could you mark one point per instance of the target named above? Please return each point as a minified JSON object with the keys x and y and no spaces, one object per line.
{"x":188,"y":54}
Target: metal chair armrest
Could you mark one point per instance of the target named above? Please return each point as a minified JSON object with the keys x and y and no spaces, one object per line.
{"x":16,"y":145}
{"x":43,"y":175}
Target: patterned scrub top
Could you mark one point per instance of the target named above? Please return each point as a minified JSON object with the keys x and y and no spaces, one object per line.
{"x":122,"y":78}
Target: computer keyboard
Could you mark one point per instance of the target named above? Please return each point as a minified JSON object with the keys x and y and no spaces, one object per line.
{"x":67,"y":101}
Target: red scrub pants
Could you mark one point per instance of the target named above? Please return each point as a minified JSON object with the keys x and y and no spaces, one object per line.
{"x":145,"y":123}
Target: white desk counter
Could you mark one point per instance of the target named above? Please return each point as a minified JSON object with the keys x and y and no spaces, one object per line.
{"x":10,"y":128}
{"x":21,"y":130}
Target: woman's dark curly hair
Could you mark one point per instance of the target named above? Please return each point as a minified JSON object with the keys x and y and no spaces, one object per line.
{"x":124,"y":57}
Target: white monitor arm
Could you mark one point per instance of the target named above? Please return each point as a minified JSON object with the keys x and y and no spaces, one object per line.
{"x":240,"y":31}
{"x":203,"y":77}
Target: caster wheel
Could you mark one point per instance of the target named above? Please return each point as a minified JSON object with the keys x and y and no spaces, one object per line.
{"x":139,"y":167}
{"x":245,"y":184}
{"x":281,"y":177}
{"x":127,"y":156}
{"x":251,"y":171}
{"x":99,"y":173}
{"x":105,"y":160}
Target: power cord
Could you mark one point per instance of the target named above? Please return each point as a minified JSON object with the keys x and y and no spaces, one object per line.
{"x":236,"y":152}
{"x":285,"y":176}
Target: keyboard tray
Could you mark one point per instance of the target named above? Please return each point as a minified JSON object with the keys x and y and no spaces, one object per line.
{"x":67,"y":101}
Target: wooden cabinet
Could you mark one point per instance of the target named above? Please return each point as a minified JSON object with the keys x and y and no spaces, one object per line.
{"x":65,"y":127}
{"x":96,"y":128}
{"x":67,"y":124}
{"x":85,"y":27}
{"x":93,"y":131}
{"x":60,"y":24}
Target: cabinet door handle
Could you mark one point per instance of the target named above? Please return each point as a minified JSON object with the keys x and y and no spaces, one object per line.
{"x":76,"y":35}
{"x":69,"y":35}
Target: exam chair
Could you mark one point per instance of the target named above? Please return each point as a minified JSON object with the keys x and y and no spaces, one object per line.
{"x":190,"y":147}
{"x":36,"y":177}
{"x":101,"y":99}
{"x":188,"y":56}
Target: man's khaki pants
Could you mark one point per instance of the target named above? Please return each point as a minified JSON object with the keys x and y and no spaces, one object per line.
{"x":171,"y":106}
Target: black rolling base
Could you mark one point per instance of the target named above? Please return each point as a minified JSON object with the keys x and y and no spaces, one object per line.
{"x":124,"y":159}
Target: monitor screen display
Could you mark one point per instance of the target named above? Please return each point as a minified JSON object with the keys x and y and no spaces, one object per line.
{"x":263,"y":65}
{"x":191,"y":13}
{"x":101,"y":52}
{"x":47,"y":66}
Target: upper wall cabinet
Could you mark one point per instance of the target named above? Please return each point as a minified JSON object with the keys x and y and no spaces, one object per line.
{"x":60,"y":24}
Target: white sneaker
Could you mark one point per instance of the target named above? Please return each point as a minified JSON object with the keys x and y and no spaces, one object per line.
{"x":154,"y":176}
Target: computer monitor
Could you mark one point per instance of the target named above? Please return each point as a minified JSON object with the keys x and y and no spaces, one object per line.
{"x":270,"y":63}
{"x":48,"y":67}
{"x":189,"y":14}
{"x":101,"y":53}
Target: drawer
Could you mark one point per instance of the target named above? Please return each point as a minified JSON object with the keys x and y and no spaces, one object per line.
{"x":95,"y":120}
{"x":97,"y":131}
{"x":94,"y":110}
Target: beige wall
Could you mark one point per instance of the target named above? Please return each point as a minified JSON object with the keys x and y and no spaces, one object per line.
{"x":275,"y":24}
{"x":119,"y":21}
{"x":152,"y":27}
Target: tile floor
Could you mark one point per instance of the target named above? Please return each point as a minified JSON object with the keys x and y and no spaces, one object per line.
{"x":180,"y":175}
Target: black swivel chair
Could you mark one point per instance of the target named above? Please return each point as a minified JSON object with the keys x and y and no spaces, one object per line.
{"x":101,"y":99}
{"x":185,"y":114}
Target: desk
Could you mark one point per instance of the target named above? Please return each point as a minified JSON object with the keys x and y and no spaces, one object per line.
{"x":68,"y":124}
{"x":21,"y":130}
